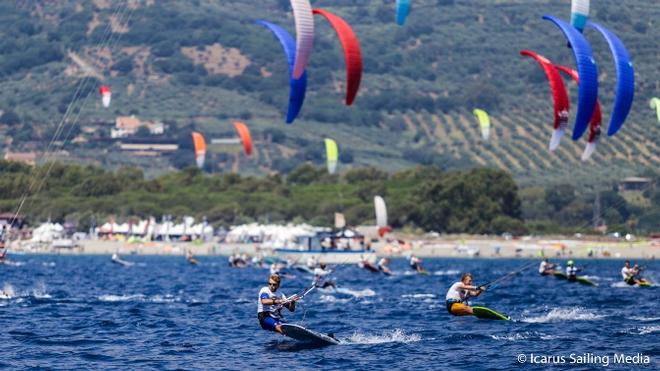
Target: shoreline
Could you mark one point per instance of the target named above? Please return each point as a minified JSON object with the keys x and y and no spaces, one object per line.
{"x":433,"y":248}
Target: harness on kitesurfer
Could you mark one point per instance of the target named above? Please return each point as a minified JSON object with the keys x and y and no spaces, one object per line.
{"x":451,"y":302}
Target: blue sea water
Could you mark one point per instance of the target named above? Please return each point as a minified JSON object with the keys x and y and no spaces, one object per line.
{"x":73,"y":312}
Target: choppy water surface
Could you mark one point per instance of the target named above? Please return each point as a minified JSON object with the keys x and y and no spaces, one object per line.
{"x":73,"y":312}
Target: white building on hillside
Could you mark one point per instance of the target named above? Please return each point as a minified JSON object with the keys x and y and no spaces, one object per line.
{"x":128,"y":125}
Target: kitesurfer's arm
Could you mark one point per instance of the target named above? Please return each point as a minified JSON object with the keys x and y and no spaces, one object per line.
{"x":272,"y":301}
{"x":290,"y":303}
{"x":321,"y":272}
{"x":473,"y":291}
{"x":291,"y":306}
{"x":478,"y":291}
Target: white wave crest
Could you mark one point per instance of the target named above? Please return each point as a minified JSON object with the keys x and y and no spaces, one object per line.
{"x":118,"y":298}
{"x":12,"y":263}
{"x":621,"y":285}
{"x":419,"y":296}
{"x":646,"y":319}
{"x":510,"y":337}
{"x":564,"y":315}
{"x":158,"y":299}
{"x":648,"y":330}
{"x":356,"y":293}
{"x":332,"y":299}
{"x":449,"y":272}
{"x":40,"y":292}
{"x":394,"y":336}
{"x":163,"y":299}
{"x":7,"y":292}
{"x":524,"y":336}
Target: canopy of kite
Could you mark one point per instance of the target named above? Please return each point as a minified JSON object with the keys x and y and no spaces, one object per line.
{"x":244,"y":134}
{"x":588,"y":72}
{"x":304,"y":20}
{"x":381,"y":216}
{"x":559,"y":97}
{"x":484,"y":122}
{"x":596,"y":119}
{"x":352,"y":53}
{"x":200,"y":148}
{"x":106,"y":95}
{"x":332,"y":154}
{"x":402,"y":11}
{"x":654,"y":103}
{"x":579,"y":13}
{"x":297,"y":87}
{"x":625,"y":79}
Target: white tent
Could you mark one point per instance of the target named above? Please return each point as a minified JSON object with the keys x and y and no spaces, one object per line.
{"x":47,"y":232}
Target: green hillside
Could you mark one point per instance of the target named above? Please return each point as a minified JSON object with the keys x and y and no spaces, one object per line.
{"x":201,"y":64}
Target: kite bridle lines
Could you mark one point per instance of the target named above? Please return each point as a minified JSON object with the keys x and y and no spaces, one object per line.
{"x":125,"y":13}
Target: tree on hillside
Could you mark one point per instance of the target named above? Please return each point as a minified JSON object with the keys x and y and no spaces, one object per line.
{"x":468,"y":202}
{"x":355,"y":176}
{"x":10,"y":118}
{"x":142,"y":132}
{"x":560,"y":196}
{"x":305,"y":174}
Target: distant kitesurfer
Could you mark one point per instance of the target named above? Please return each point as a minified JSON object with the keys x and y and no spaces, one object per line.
{"x":416,"y":264}
{"x":383,"y":266}
{"x":571,"y":271}
{"x":321,"y":272}
{"x":311,"y":262}
{"x":257,"y":261}
{"x":630,"y":274}
{"x":546,"y":268}
{"x":237,"y":261}
{"x":270,"y":305}
{"x":190,"y":258}
{"x":366,"y":264}
{"x":459,"y":293}
{"x":3,"y":253}
{"x":118,"y":260}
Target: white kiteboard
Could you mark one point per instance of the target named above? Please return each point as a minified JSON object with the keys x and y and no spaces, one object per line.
{"x":123,"y":263}
{"x":307,"y":336}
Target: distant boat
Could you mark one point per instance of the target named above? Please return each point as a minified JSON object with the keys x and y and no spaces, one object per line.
{"x":328,"y":247}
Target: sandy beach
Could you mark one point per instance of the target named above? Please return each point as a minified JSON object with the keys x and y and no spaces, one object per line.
{"x":456,"y":246}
